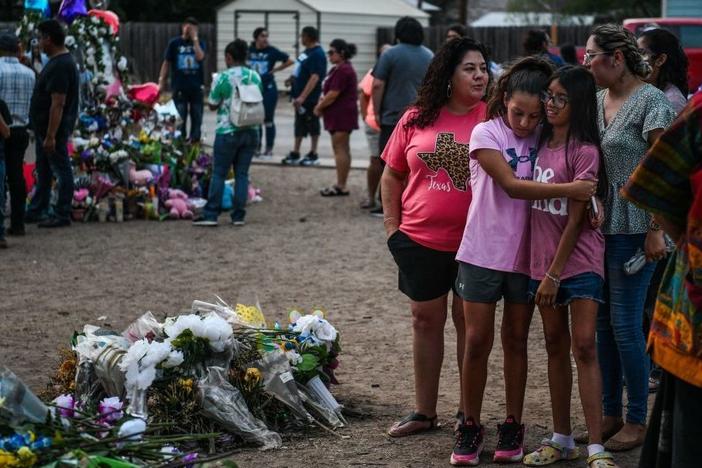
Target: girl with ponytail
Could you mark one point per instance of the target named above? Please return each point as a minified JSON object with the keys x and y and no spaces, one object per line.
{"x":631,"y":114}
{"x":494,"y":252}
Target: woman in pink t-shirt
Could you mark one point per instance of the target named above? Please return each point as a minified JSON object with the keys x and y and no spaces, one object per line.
{"x":567,"y":264}
{"x":426,"y":194}
{"x":494,"y":253}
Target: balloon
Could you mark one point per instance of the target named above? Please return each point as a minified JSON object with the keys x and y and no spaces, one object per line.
{"x":71,"y":9}
{"x":109,"y":17}
{"x":146,"y":93}
{"x":40,"y":5}
{"x":99,"y":4}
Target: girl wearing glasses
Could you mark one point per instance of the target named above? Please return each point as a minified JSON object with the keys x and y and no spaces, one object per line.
{"x":669,"y":64}
{"x":631,"y":115}
{"x":494,"y":253}
{"x":567,"y":263}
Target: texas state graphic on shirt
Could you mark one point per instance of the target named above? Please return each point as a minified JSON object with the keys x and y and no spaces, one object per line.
{"x":451,"y":156}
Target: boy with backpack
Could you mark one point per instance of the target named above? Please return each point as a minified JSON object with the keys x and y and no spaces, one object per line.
{"x":237,"y":97}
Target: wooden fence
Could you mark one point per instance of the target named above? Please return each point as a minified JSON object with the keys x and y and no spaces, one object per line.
{"x":145,"y":43}
{"x":505,"y":43}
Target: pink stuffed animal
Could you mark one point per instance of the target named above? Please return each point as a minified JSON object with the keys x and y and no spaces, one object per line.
{"x":178,"y":204}
{"x":140,"y":178}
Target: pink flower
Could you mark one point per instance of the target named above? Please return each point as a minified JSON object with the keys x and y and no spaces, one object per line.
{"x":66,"y":405}
{"x":110,"y":410}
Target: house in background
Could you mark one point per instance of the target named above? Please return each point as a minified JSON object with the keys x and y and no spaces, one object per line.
{"x":355,"y":21}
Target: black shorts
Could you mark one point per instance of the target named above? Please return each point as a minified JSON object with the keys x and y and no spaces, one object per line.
{"x":478,"y":284}
{"x":306,"y":123}
{"x":424,"y":273}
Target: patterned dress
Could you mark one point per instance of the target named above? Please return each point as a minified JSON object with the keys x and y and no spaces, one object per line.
{"x":624,"y":144}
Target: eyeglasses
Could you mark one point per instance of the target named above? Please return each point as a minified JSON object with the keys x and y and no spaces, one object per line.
{"x":587,"y":58}
{"x":559,"y":102}
{"x":331,"y":52}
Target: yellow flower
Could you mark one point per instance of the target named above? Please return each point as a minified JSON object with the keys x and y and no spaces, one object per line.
{"x":253,"y":376}
{"x":26,"y":457}
{"x":186,"y":383}
{"x":8,"y":460}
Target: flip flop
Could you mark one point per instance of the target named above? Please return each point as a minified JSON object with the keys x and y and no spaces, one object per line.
{"x":413,"y":423}
{"x":333,"y":191}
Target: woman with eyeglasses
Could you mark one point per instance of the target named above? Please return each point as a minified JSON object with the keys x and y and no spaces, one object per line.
{"x":339,"y":108}
{"x":631,"y":115}
{"x":663,"y":52}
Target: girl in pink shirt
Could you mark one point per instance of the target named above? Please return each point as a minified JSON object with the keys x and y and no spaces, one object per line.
{"x":494,"y":253}
{"x":567,"y":264}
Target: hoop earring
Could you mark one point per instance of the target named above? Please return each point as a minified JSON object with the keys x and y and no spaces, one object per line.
{"x":449,"y":91}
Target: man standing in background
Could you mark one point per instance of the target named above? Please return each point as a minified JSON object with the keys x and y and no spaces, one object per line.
{"x":16,"y":86}
{"x":184,"y":58}
{"x":310,"y":70}
{"x":396,"y":78}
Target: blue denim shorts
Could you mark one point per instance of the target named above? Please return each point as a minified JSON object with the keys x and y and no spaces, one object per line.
{"x":583,"y":286}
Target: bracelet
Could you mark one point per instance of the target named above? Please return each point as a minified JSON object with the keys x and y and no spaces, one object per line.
{"x":388,"y":219}
{"x":555,"y":280}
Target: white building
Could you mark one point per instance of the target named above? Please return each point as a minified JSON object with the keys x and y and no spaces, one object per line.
{"x":355,"y":21}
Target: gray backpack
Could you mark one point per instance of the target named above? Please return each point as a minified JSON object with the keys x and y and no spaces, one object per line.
{"x":246,"y":108}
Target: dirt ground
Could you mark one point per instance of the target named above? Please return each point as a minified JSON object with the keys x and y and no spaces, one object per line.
{"x":297,"y":250}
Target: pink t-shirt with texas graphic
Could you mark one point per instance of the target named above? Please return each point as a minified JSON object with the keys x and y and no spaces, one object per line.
{"x":436,"y":159}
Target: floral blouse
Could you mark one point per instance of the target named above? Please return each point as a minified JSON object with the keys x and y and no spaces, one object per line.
{"x":624,"y":144}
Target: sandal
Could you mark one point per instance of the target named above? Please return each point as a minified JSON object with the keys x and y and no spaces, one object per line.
{"x":368,"y":204}
{"x":333,"y":191}
{"x":601,"y":460}
{"x":550,"y":452}
{"x":413,"y":423}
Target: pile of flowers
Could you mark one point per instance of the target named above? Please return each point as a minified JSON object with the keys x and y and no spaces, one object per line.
{"x":166,"y":391}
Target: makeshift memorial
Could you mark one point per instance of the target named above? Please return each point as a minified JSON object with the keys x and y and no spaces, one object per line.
{"x":201,"y":382}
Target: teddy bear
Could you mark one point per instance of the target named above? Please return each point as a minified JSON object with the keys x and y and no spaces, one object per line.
{"x":139,"y":178}
{"x":178,"y":204}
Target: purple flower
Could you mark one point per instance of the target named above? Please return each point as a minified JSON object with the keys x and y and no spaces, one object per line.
{"x":66,"y":405}
{"x":190,"y":458}
{"x":110,"y":410}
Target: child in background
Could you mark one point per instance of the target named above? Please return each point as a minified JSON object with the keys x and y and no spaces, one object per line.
{"x":494,"y":252}
{"x":567,"y":264}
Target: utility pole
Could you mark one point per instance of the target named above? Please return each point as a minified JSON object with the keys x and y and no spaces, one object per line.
{"x":463,"y":11}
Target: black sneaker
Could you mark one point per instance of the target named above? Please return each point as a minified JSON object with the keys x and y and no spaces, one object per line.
{"x":202,"y":221}
{"x":377,"y":212}
{"x":469,"y":444}
{"x":291,"y":159}
{"x":54,"y":223}
{"x":310,"y":159}
{"x":510,"y":441}
{"x":16,"y":231}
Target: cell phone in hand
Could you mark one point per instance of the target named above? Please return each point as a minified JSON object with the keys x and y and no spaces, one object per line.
{"x":593,"y":207}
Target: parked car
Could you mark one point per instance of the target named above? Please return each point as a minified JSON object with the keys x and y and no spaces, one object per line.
{"x":689,"y":30}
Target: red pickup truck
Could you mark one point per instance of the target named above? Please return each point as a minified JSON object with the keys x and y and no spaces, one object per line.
{"x":689,"y":30}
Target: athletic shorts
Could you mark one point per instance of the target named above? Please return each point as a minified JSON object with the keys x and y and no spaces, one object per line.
{"x":478,"y":284}
{"x":306,"y":124}
{"x":424,"y":273}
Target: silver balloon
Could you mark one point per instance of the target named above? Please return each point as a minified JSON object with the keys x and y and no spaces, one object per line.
{"x":99,"y":4}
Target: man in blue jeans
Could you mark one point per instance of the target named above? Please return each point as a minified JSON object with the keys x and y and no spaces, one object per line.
{"x":233,"y":146}
{"x":53,"y":112}
{"x":185,"y":56}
